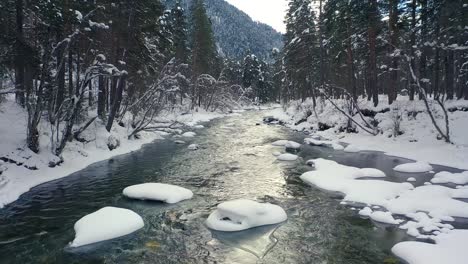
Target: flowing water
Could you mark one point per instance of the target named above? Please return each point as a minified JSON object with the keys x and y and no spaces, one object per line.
{"x":235,"y":161}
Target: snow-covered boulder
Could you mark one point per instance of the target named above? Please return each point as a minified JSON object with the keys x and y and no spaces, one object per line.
{"x":199,"y":126}
{"x":243,"y":214}
{"x":292,"y":145}
{"x":180,"y":142}
{"x":411,"y":179}
{"x":113,"y":142}
{"x":280,"y":143}
{"x":158,"y":191}
{"x":276,"y":153}
{"x":189,"y":134}
{"x":104,"y":224}
{"x":287,"y":157}
{"x":414,"y":167}
{"x":448,"y":248}
{"x":193,"y":147}
{"x":448,"y":177}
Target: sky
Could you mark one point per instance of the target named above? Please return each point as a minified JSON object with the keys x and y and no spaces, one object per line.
{"x":270,"y":12}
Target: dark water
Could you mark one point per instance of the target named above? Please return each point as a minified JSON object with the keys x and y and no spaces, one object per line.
{"x":235,"y":161}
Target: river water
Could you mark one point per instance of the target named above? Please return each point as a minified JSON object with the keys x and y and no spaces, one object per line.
{"x":234,"y":161}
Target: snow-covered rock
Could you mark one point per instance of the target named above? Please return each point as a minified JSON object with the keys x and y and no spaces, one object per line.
{"x":193,"y":147}
{"x":448,"y":177}
{"x":287,"y":157}
{"x":448,"y":248}
{"x":331,"y":176}
{"x":158,"y":191}
{"x":411,"y":179}
{"x":280,"y":143}
{"x":384,"y":217}
{"x":366,"y":211}
{"x":113,"y":142}
{"x":104,"y":224}
{"x":243,"y":214}
{"x":199,"y":126}
{"x":292,"y":145}
{"x":414,"y":167}
{"x":180,"y":142}
{"x":189,"y":134}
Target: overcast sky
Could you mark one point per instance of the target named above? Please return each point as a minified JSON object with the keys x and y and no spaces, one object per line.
{"x":270,"y":12}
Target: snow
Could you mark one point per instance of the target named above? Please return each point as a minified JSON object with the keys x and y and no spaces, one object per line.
{"x":104,"y":224}
{"x":418,"y":141}
{"x":243,"y":214}
{"x":287,"y":157}
{"x":411,"y":179}
{"x":366,"y":211}
{"x":280,"y":143}
{"x":415,"y":167}
{"x":292,"y":145}
{"x":448,"y":248}
{"x":384,"y":217}
{"x":331,"y":176}
{"x":159,"y":192}
{"x":189,"y":134}
{"x":76,"y":156}
{"x":352,"y":148}
{"x":448,"y":177}
{"x":434,"y":199}
{"x":193,"y":147}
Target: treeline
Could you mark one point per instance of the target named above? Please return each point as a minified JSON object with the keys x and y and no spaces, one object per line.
{"x":70,"y":63}
{"x":366,"y":48}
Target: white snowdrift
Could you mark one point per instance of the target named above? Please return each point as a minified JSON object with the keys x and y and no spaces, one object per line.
{"x":331,"y":176}
{"x":243,"y":214}
{"x":352,"y":149}
{"x":104,"y":224}
{"x":287,"y":157}
{"x":447,"y":177}
{"x":415,"y":167}
{"x":448,"y":248}
{"x":158,"y":191}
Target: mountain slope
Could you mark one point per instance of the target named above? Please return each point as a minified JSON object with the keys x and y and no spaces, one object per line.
{"x":236,"y":32}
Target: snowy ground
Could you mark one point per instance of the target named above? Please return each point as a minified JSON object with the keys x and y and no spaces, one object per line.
{"x":425,"y":212}
{"x":418,"y":141}
{"x":16,"y":179}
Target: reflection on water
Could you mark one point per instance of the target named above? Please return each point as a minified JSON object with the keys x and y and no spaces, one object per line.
{"x":234,"y":161}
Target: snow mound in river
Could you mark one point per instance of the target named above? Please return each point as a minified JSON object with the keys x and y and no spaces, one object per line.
{"x":448,"y":248}
{"x":159,"y":192}
{"x":189,"y":134}
{"x":331,"y":176}
{"x":448,"y":177}
{"x":292,"y":145}
{"x":287,"y":157}
{"x":414,"y":167}
{"x":243,"y":214}
{"x":104,"y":224}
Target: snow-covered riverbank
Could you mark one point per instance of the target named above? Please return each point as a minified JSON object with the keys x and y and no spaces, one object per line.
{"x":25,"y":169}
{"x":418,"y":137}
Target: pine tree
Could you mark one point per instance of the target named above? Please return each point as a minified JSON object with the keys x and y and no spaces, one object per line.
{"x":179,"y":33}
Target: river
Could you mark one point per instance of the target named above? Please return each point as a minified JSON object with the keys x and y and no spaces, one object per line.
{"x":234,"y":161}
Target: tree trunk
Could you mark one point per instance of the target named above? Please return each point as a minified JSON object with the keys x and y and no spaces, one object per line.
{"x":19,"y":58}
{"x":117,"y":101}
{"x":372,"y":52}
{"x":101,"y":107}
{"x":393,"y":74}
{"x":413,"y":43}
{"x":449,"y":73}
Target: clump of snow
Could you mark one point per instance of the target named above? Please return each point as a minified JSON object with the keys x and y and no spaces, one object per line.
{"x":366,"y":211}
{"x":426,"y":224}
{"x":199,"y":126}
{"x":180,"y":142}
{"x":448,"y":177}
{"x":448,"y":248}
{"x":292,"y":145}
{"x":411,"y":179}
{"x":243,"y":214}
{"x":435,"y":199}
{"x":415,"y":167}
{"x":158,"y":191}
{"x":193,"y":147}
{"x":280,"y":143}
{"x":189,"y":134}
{"x":352,"y":148}
{"x":331,"y":176}
{"x":104,"y":224}
{"x":287,"y":157}
{"x":384,"y":217}
{"x":276,"y":153}
{"x":323,"y":143}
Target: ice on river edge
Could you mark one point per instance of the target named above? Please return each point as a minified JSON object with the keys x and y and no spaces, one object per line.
{"x":159,"y":192}
{"x":104,"y":224}
{"x":243,"y":214}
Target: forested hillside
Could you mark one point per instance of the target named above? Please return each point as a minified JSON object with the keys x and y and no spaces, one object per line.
{"x":236,"y":33}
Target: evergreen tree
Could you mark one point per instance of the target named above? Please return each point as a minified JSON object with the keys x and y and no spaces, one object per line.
{"x":179,"y":33}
